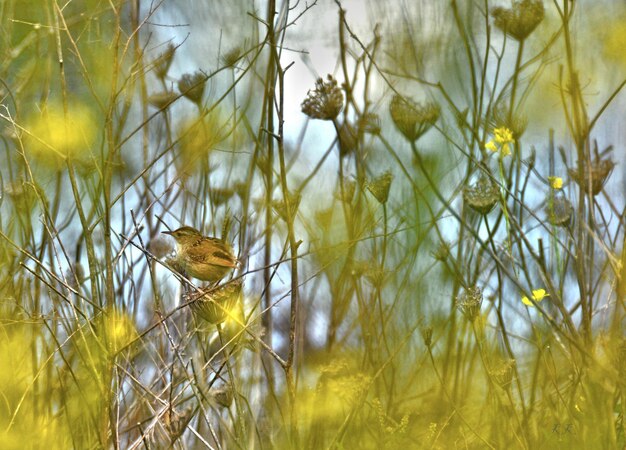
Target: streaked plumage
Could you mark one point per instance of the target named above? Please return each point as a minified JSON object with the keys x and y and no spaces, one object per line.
{"x":202,"y":257}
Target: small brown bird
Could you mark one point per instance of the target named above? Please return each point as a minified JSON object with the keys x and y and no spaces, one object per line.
{"x":202,"y":257}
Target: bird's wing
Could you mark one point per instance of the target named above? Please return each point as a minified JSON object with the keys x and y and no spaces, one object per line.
{"x":219,"y":254}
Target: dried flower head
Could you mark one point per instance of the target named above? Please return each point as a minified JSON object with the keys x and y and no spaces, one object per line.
{"x":176,"y":423}
{"x":520,"y":20}
{"x":325,"y":101}
{"x":324,"y":218}
{"x":379,"y":187}
{"x":163,"y":62}
{"x":502,"y":372}
{"x":600,"y":171}
{"x":162,"y":100}
{"x":161,"y":246}
{"x":412,"y":119}
{"x":23,"y":194}
{"x":559,"y":211}
{"x":293,"y":201}
{"x":349,"y":188}
{"x":370,"y":123}
{"x":470,"y":301}
{"x":241,"y":188}
{"x":221,"y":196}
{"x":482,"y":196}
{"x":427,"y":334}
{"x":192,"y":86}
{"x":75,"y":275}
{"x":223,"y":395}
{"x":376,"y":275}
{"x":217,"y":305}
{"x":442,"y":252}
{"x":231,"y":57}
{"x":348,"y":139}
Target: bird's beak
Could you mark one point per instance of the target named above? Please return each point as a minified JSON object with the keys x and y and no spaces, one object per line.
{"x":166,"y":232}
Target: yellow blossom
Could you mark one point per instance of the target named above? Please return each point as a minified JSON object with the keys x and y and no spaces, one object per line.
{"x":491,"y":146}
{"x":555,"y":182}
{"x":503,"y":135}
{"x":538,"y":295}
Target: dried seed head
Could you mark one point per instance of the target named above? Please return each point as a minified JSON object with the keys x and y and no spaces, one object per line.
{"x":427,"y":334}
{"x":241,"y":189}
{"x":324,"y":218}
{"x":376,"y":275}
{"x":223,"y":395}
{"x":192,"y":86}
{"x":176,"y":423}
{"x":502,"y":372}
{"x":348,"y":139}
{"x":442,"y":251}
{"x":163,"y":62}
{"x":482,"y":195}
{"x":75,"y":275}
{"x":161,"y":246}
{"x":216,"y":306}
{"x":370,"y":123}
{"x":231,"y":57}
{"x":325,"y":101}
{"x":162,"y":100}
{"x":379,"y":187}
{"x":600,"y":171}
{"x":293,"y":201}
{"x":412,"y":119}
{"x":470,"y":301}
{"x":559,"y":211}
{"x":349,"y":188}
{"x":221,"y":196}
{"x":23,"y":194}
{"x":520,"y":20}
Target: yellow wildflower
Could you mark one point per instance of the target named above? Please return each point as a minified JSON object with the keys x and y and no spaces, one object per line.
{"x":503,"y":135}
{"x":556,"y":182}
{"x":538,"y":295}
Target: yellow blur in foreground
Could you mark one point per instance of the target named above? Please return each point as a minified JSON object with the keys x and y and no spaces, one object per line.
{"x":119,"y":330}
{"x":55,"y":135}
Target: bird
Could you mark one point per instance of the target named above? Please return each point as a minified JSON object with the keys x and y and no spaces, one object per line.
{"x":202,"y":257}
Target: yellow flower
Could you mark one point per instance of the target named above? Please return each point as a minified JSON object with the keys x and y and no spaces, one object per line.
{"x":503,"y":138}
{"x":555,"y":182}
{"x":503,"y":135}
{"x":538,"y":295}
